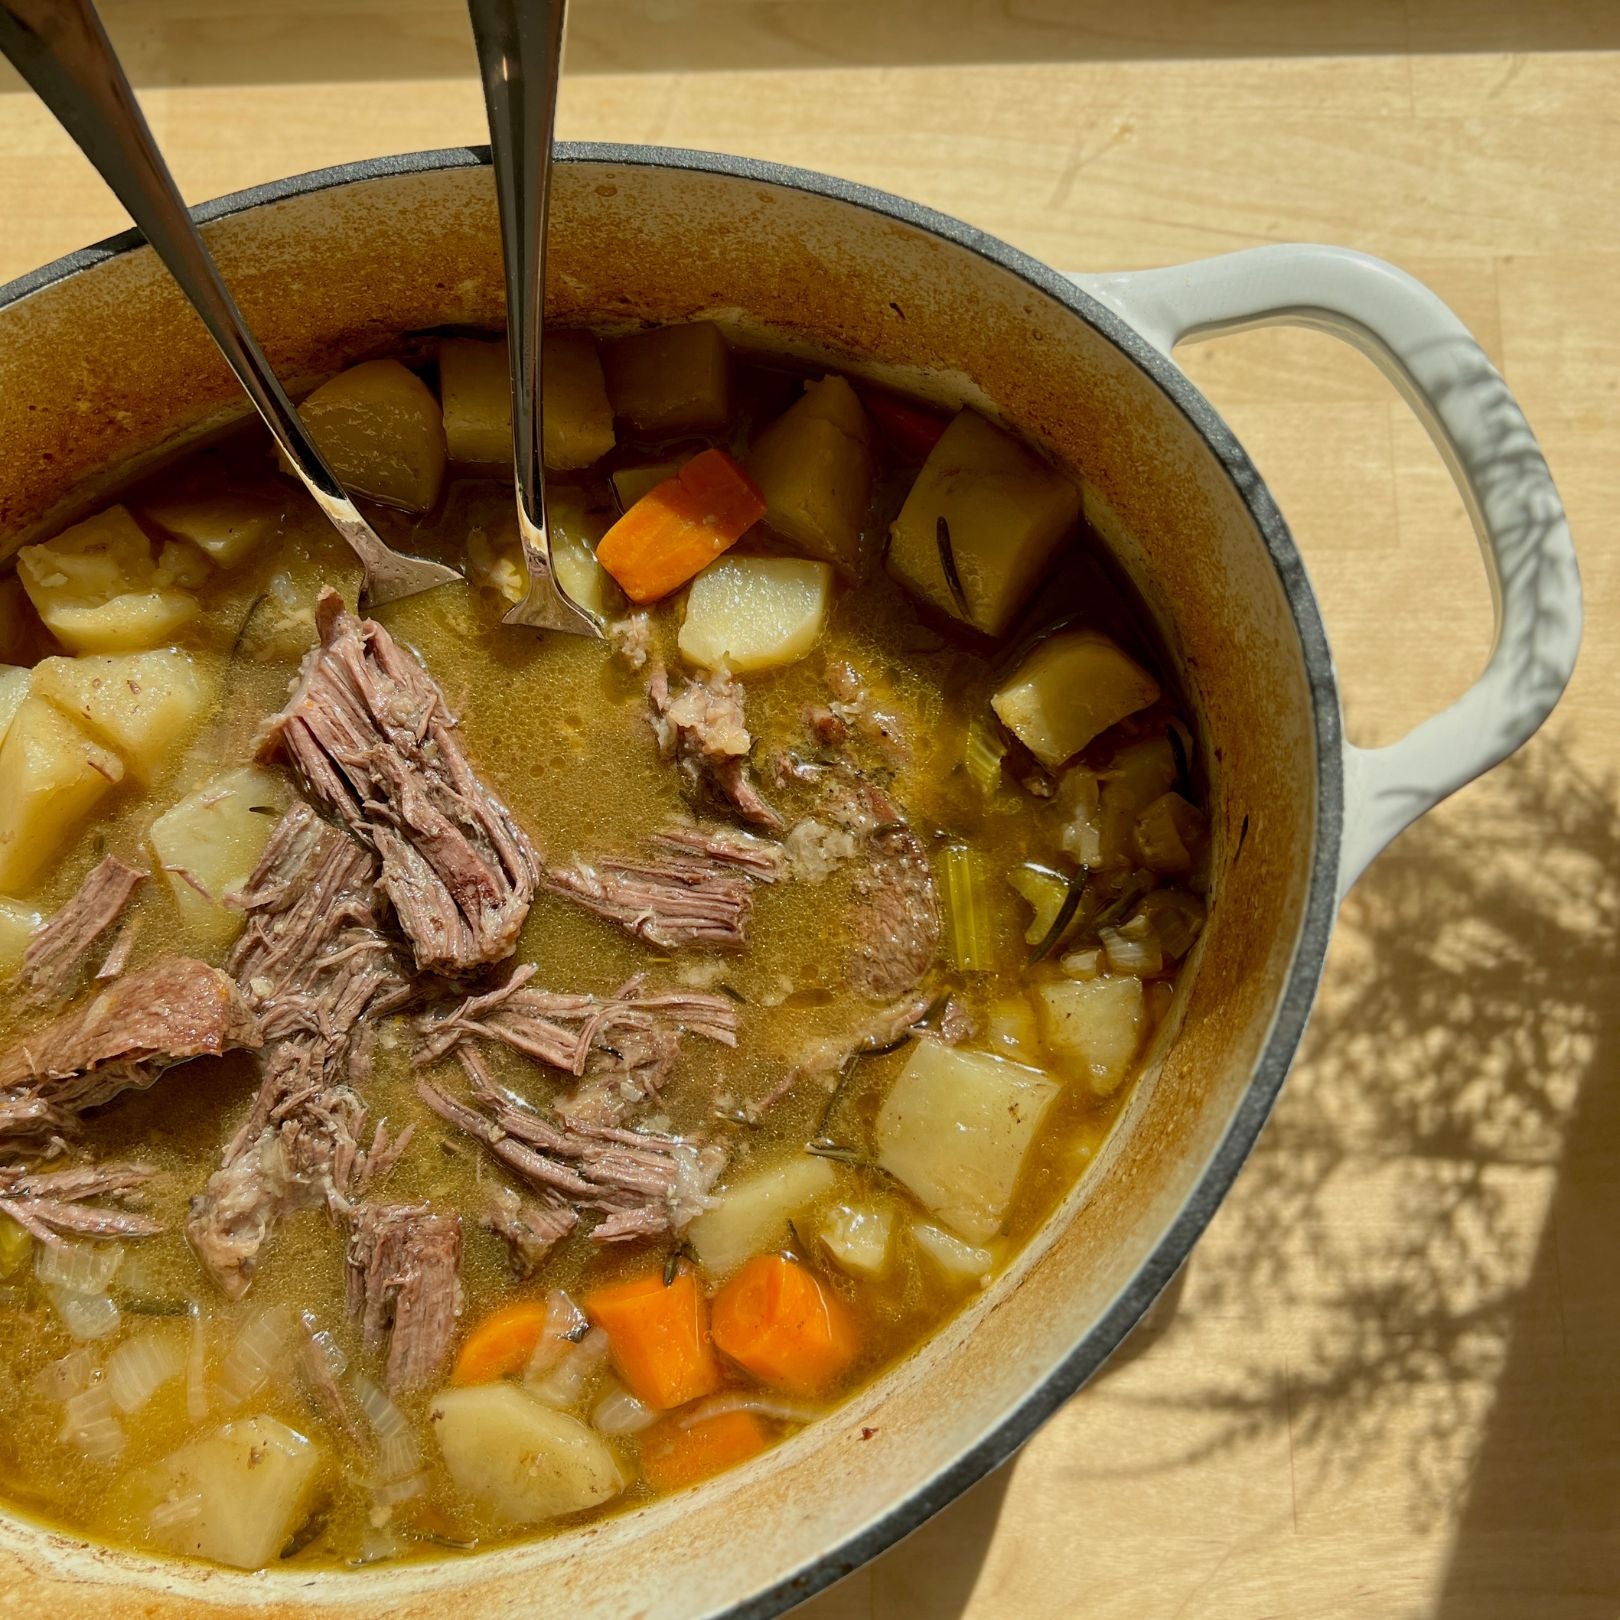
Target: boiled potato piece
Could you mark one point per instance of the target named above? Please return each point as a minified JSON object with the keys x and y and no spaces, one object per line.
{"x":280,"y":626}
{"x":631,"y":483}
{"x":755,"y":612}
{"x":97,"y":589}
{"x":13,"y":689}
{"x":476,"y":390}
{"x":858,"y":1237}
{"x":140,"y":704}
{"x":51,"y":776}
{"x":673,"y":379}
{"x":521,"y":1462}
{"x":227,"y":527}
{"x":379,"y":426}
{"x":20,"y":633}
{"x":813,"y":465}
{"x":208,"y":844}
{"x":1072,"y":687}
{"x":1007,"y":513}
{"x":256,"y":1481}
{"x":1096,"y":1022}
{"x":17,"y":925}
{"x":955,"y":1129}
{"x":751,"y":1215}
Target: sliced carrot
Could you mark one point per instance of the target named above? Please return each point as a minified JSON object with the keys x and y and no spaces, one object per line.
{"x":658,"y":1336}
{"x":673,"y":1456}
{"x":680,"y":526}
{"x":502,"y":1343}
{"x":774,"y":1319}
{"x":909,"y":428}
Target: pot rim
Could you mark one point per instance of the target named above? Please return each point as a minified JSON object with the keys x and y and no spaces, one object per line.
{"x":1305,"y":967}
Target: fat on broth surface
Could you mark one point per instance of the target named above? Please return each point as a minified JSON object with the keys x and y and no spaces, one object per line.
{"x":558,"y":728}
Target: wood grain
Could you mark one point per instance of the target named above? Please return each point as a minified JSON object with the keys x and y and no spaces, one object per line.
{"x":1392,"y":1387}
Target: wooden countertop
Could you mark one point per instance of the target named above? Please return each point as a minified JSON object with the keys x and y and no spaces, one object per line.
{"x":1392,"y":1387}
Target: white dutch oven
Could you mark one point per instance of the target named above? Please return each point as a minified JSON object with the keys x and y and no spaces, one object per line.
{"x":100,"y":363}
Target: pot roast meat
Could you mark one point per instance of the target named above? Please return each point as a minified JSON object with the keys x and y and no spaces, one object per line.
{"x":121,"y":1039}
{"x":531,"y":1227}
{"x":403,"y":1285}
{"x":703,"y":730}
{"x":642,"y":1183}
{"x":56,"y":955}
{"x":670,"y":902}
{"x":761,"y":858}
{"x":54,"y":1204}
{"x":313,"y":961}
{"x":368,"y":732}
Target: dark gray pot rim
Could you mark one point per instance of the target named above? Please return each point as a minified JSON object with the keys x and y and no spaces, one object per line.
{"x":1305,"y":969}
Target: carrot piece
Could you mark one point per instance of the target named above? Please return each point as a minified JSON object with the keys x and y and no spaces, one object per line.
{"x":658,"y":1336}
{"x":502,"y":1343}
{"x":909,"y":428}
{"x":680,"y":526}
{"x":774,"y":1319}
{"x":673,"y":1455}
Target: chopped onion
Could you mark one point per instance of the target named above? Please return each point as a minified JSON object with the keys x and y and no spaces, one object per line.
{"x":397,"y":1457}
{"x":619,"y":1412}
{"x":65,"y":1378}
{"x":85,"y":1316}
{"x":386,"y":1420}
{"x":322,"y":1351}
{"x":565,"y":1326}
{"x":951,"y":1254}
{"x":79,"y":1268}
{"x":565,"y":1383}
{"x":174,"y":1511}
{"x":258,"y":1352}
{"x":89,"y":1424}
{"x":1086,"y":964}
{"x":1132,"y":949}
{"x":392,"y":1492}
{"x":197,"y":1369}
{"x":744,"y":1400}
{"x":139,"y":1367}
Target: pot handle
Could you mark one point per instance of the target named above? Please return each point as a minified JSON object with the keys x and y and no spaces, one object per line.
{"x":1444,"y":375}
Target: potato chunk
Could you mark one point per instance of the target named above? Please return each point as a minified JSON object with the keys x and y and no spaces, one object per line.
{"x":1096,"y":1022}
{"x":1006,"y":513}
{"x":379,"y":426}
{"x":97,"y":589}
{"x":521,"y":1462}
{"x":751,"y":1215}
{"x":140,"y":704}
{"x":955,"y":1129}
{"x":813,"y":465}
{"x":255,"y":1484}
{"x":673,"y":379}
{"x":226,"y":527}
{"x":51,"y":776}
{"x":475,"y":388}
{"x":208,"y":844}
{"x":858,"y":1237}
{"x":17,"y":925}
{"x":755,"y":612}
{"x":1071,"y":688}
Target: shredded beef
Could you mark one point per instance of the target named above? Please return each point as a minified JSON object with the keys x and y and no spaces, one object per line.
{"x":670,"y":902}
{"x":761,"y":858}
{"x":403,"y":1286}
{"x":56,"y":955}
{"x":532,"y":1227}
{"x":121,"y":1040}
{"x":314,"y":962}
{"x":368,"y":731}
{"x":643,"y":1183}
{"x":703,"y":730}
{"x":52,"y":1204}
{"x":631,"y":638}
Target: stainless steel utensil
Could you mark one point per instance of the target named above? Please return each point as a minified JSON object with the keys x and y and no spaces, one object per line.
{"x":520,"y":58}
{"x":62,"y":50}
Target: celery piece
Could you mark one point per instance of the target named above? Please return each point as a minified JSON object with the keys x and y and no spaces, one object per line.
{"x":967,"y":911}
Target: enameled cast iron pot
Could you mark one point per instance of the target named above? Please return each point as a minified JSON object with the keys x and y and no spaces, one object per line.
{"x":100,"y":363}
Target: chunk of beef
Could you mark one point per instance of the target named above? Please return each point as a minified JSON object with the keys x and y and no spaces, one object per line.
{"x":670,"y":902}
{"x":761,"y":858}
{"x":368,"y":731}
{"x":52,"y":1204}
{"x":643,"y":1183}
{"x":703,"y":730}
{"x":625,"y":1043}
{"x":403,"y":1286}
{"x":57,"y":955}
{"x":314,"y":962}
{"x":631,"y":638}
{"x":532,"y":1227}
{"x":121,"y":1040}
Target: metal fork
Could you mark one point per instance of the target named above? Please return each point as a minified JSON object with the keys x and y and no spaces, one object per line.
{"x":62,"y":50}
{"x":520,"y":58}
